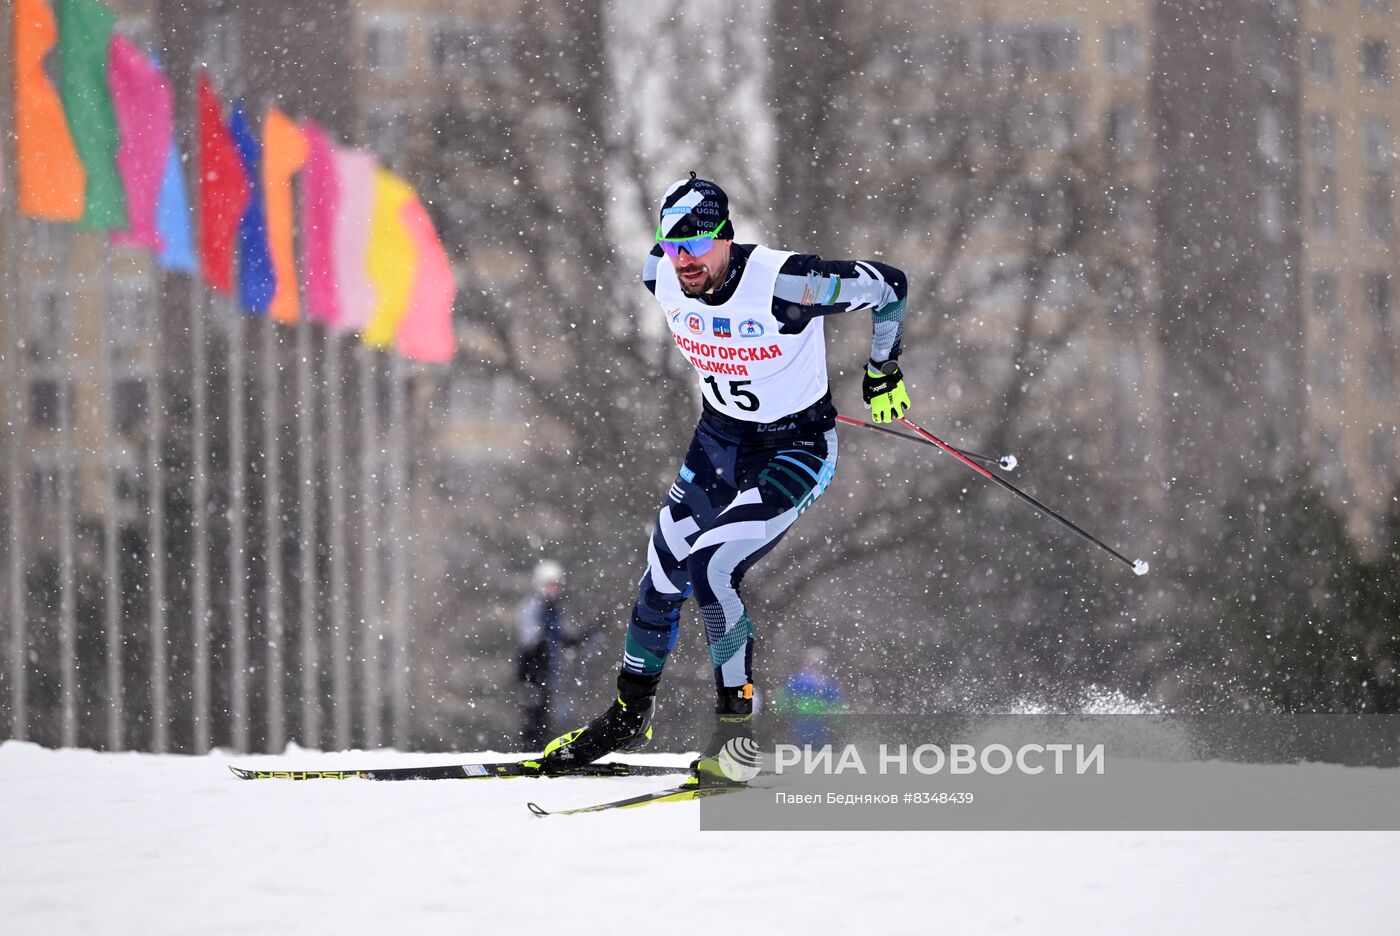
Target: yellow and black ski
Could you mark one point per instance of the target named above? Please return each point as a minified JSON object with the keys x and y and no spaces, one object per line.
{"x":503,"y":770}
{"x":690,"y":790}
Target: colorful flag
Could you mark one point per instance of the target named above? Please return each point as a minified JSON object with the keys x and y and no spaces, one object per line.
{"x":173,"y":218}
{"x":256,"y":281}
{"x":223,"y":191}
{"x":144,"y":108}
{"x":85,"y":30}
{"x":320,"y":199}
{"x":390,"y":259}
{"x":51,"y":177}
{"x":425,"y":334}
{"x":284,"y":153}
{"x":356,"y":170}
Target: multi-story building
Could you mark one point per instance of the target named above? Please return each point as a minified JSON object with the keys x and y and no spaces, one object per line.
{"x":1348,"y":121}
{"x":1029,"y":124}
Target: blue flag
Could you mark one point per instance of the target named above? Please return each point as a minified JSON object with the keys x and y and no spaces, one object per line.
{"x":257,"y":283}
{"x":173,"y":218}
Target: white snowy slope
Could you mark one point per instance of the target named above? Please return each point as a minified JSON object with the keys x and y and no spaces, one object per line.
{"x":130,"y":843}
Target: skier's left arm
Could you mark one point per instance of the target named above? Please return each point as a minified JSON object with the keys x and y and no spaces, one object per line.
{"x":809,"y":286}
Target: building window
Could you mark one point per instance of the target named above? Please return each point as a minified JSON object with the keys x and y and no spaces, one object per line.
{"x":1020,"y":49}
{"x":1325,"y":297}
{"x":1376,"y":143}
{"x":1127,"y":208}
{"x":948,"y":54}
{"x":485,"y":50}
{"x":386,"y":46}
{"x":386,"y":130}
{"x":1382,"y":447}
{"x":1325,"y":208}
{"x":1381,"y":374}
{"x":1333,"y":475}
{"x":1324,"y":141}
{"x":45,"y":403}
{"x":1378,"y":211}
{"x":48,"y":323}
{"x":131,"y":316}
{"x":1322,"y":64}
{"x":452,"y":52}
{"x":1123,"y":50}
{"x":128,"y":403}
{"x":1124,"y":130}
{"x":44,"y":484}
{"x":1125,"y":290}
{"x":1378,"y":300}
{"x":1375,"y":62}
{"x":1329,"y":374}
{"x":1271,"y":212}
{"x":1326,"y":313}
{"x":49,"y":239}
{"x":130,"y":484}
{"x":1056,"y":49}
{"x":1050,"y":122}
{"x":1271,"y":133}
{"x":220,"y":52}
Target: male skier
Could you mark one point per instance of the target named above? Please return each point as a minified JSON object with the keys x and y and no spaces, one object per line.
{"x":749,"y":320}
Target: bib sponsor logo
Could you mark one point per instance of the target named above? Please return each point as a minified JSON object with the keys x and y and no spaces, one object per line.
{"x":695,"y":323}
{"x":750,"y":328}
{"x":722,"y":328}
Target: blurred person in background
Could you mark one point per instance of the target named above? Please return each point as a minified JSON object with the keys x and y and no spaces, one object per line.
{"x":543,"y":633}
{"x":809,"y":694}
{"x":812,"y":690}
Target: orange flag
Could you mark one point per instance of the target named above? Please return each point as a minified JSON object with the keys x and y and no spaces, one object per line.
{"x":284,"y":153}
{"x":52,"y":181}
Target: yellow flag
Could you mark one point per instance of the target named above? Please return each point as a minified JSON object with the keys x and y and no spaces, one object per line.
{"x":390,"y":259}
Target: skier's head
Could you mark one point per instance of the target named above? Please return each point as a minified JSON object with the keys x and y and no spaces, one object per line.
{"x":695,"y":233}
{"x":549,"y":578}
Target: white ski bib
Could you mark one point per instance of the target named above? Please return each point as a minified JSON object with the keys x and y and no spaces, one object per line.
{"x":747,"y":370}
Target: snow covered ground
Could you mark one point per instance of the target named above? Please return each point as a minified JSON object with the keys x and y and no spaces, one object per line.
{"x":132,"y":843}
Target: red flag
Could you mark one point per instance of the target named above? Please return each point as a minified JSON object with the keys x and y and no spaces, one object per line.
{"x":223,"y":191}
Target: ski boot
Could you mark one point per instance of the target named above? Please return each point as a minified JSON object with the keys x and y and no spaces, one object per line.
{"x":624,"y":727}
{"x":731,"y":757}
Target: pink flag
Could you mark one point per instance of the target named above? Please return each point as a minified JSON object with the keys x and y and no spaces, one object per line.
{"x":425,"y":334}
{"x":356,"y":170}
{"x":143,"y":103}
{"x":320,"y":201}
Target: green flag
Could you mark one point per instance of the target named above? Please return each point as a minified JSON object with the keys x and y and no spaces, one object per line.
{"x":84,"y":39}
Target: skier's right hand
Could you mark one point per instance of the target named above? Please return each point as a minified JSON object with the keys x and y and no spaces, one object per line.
{"x":883,"y":389}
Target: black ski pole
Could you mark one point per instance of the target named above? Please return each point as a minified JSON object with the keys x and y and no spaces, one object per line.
{"x":1138,"y":566}
{"x":1005,"y":462}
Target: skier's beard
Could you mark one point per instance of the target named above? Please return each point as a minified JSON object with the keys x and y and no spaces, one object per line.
{"x":705,"y":285}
